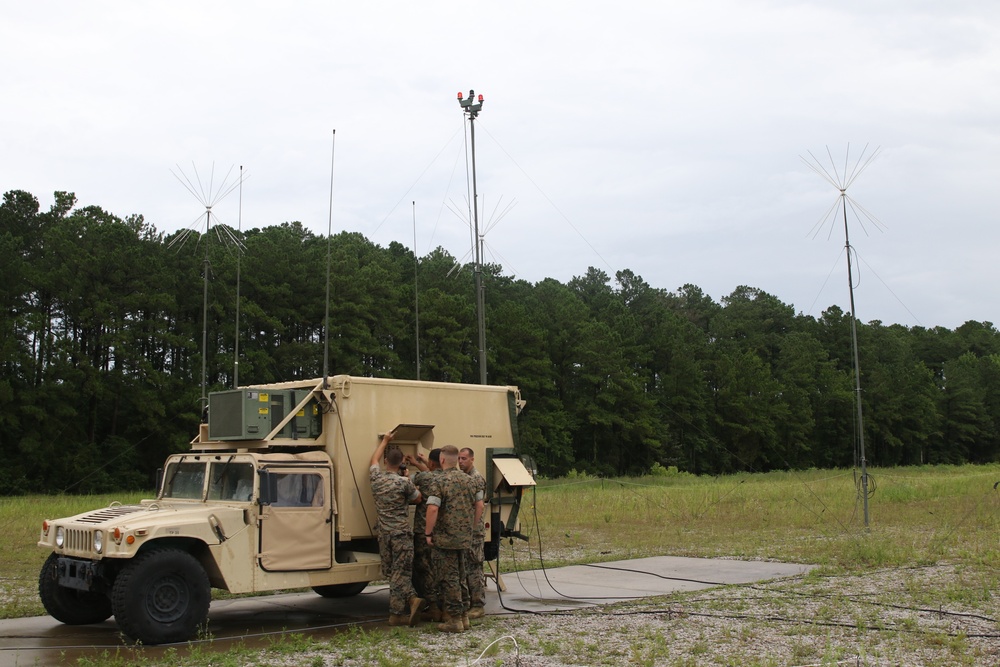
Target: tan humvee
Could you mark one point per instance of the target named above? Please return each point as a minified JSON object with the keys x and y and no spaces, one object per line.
{"x":274,"y":494}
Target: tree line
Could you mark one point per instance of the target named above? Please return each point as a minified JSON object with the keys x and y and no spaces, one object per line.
{"x":102,"y":324}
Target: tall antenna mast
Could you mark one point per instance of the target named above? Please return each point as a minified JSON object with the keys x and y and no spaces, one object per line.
{"x":416,"y":291}
{"x":842,"y":183}
{"x":208,"y":198}
{"x":329,"y":244}
{"x":471,"y":108}
{"x":236,"y":343}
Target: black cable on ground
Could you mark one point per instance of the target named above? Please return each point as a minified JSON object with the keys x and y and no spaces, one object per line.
{"x":654,"y":574}
{"x":544,"y":570}
{"x":781,"y":619}
{"x":500,"y":593}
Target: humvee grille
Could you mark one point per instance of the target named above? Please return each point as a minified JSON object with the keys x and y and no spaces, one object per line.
{"x":79,"y":540}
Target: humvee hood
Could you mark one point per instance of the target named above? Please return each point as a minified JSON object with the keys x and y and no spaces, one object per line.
{"x":156,"y":513}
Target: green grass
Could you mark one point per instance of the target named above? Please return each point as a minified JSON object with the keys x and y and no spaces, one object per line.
{"x":918,"y":516}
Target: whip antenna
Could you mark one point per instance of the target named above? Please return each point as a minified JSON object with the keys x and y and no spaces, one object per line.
{"x":236,"y":343}
{"x":416,"y":291}
{"x":329,"y":244}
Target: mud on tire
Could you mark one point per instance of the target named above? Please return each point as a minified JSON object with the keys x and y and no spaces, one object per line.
{"x":161,"y":597}
{"x":68,"y":605}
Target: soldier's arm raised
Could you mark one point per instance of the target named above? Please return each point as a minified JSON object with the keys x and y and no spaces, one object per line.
{"x":380,"y":448}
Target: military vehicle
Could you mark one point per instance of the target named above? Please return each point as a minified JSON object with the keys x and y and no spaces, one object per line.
{"x":273,"y":495}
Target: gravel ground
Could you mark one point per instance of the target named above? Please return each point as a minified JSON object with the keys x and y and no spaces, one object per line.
{"x":920,"y":616}
{"x":923,"y":616}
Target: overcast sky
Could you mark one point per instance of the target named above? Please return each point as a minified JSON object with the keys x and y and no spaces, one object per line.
{"x":661,"y":137}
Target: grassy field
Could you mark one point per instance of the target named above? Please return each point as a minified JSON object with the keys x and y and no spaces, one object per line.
{"x":916,"y":516}
{"x":944,"y":516}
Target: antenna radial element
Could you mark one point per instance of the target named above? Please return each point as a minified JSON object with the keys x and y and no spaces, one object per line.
{"x":842,"y":180}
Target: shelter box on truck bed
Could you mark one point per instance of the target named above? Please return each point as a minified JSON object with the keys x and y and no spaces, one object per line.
{"x":426,"y":415}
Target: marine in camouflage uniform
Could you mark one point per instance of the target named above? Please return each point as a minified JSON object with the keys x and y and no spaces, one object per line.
{"x":450,"y":514}
{"x":477,"y":580}
{"x":423,"y":567}
{"x":393,"y":493}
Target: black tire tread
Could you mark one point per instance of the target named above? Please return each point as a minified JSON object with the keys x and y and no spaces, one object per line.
{"x":129,"y":593}
{"x":68,"y":605}
{"x":341,"y":590}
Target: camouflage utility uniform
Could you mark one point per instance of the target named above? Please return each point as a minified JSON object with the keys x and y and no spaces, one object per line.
{"x":393,"y":494}
{"x":455,"y":497}
{"x":477,"y":581}
{"x":423,"y":566}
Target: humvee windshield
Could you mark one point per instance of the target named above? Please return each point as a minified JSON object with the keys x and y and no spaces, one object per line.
{"x":184,"y":479}
{"x":230,"y":480}
{"x":227,"y":480}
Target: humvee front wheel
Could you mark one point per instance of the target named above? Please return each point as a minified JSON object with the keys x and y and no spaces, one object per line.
{"x":162,"y":596}
{"x":68,"y":605}
{"x":341,"y":590}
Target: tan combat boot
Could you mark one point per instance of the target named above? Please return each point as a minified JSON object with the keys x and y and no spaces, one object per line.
{"x":415,"y":605}
{"x":397,"y":619}
{"x":450,"y":624}
{"x":432,"y":613}
{"x":477,"y":612}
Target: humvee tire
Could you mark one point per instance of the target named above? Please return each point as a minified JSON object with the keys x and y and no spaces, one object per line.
{"x":161,"y":597}
{"x":68,"y":605}
{"x":341,"y":590}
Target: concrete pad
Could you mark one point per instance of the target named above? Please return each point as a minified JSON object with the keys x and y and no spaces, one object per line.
{"x":578,"y":586}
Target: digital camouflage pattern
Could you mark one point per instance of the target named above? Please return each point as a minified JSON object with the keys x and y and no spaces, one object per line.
{"x":480,"y":484}
{"x":474,"y":557}
{"x":423,"y":565}
{"x":397,"y":566}
{"x":424,"y":579}
{"x":455,"y":498}
{"x":452,"y":580}
{"x":424,"y":481}
{"x":393,"y":494}
{"x":476,"y":577}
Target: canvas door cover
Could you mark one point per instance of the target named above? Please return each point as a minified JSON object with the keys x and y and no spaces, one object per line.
{"x":296,"y":530}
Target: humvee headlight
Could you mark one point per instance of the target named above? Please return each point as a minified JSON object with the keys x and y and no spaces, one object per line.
{"x":98,"y":541}
{"x":60,"y":536}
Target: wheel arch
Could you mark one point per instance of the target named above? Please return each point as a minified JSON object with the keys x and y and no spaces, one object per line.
{"x":194,"y":546}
